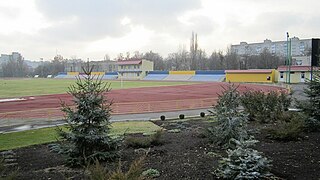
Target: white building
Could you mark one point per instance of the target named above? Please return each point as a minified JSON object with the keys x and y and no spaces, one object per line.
{"x":300,"y":49}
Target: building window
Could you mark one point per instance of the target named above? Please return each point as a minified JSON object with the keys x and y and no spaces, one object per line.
{"x":302,"y":75}
{"x":281,"y":75}
{"x":268,"y":78}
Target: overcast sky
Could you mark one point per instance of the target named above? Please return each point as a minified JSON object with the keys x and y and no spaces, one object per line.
{"x":92,"y":28}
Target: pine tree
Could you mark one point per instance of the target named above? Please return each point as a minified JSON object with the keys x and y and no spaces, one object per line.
{"x":88,"y":136}
{"x":231,"y":123}
{"x":312,"y":108}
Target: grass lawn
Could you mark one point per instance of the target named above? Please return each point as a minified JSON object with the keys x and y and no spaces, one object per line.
{"x":32,"y":87}
{"x":39,"y":136}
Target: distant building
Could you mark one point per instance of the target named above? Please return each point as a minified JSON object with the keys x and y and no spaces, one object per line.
{"x":13,"y":56}
{"x":134,"y":68}
{"x":301,"y":49}
{"x":98,"y":66}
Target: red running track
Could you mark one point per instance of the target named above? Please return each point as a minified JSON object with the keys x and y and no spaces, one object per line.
{"x":126,"y":101}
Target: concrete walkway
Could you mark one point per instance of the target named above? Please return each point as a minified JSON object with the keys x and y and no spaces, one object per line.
{"x":21,"y":125}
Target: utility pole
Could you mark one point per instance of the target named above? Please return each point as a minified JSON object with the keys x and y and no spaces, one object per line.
{"x":288,"y":60}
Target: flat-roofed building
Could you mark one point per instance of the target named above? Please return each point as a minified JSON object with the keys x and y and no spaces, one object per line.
{"x":134,"y":69}
{"x":301,"y":49}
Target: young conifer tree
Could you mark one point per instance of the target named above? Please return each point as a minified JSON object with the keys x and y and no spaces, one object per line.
{"x":312,"y":108}
{"x":230,"y":122}
{"x":88,"y":136}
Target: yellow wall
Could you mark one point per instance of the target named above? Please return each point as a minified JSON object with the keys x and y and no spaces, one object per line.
{"x":182,"y":72}
{"x":98,"y":73}
{"x":249,"y":77}
{"x":73,"y":73}
{"x":275,"y":75}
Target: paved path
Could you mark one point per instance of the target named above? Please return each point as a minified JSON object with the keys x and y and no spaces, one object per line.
{"x":22,"y":125}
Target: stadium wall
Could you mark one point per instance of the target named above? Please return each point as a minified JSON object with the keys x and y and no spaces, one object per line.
{"x":253,"y":76}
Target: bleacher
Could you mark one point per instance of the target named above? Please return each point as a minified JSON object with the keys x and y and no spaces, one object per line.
{"x":204,"y":76}
{"x":73,"y":75}
{"x":178,"y":77}
{"x":156,"y":75}
{"x":214,"y":76}
{"x":110,"y":75}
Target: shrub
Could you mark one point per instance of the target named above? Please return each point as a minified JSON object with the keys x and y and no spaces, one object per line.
{"x":151,"y":173}
{"x":143,"y":142}
{"x":263,"y":107}
{"x":98,"y":172}
{"x":244,"y":163}
{"x":181,"y":116}
{"x":231,"y":123}
{"x":202,"y":114}
{"x":288,"y":129}
{"x":87,"y":138}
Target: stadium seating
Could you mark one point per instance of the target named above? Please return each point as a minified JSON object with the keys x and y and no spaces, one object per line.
{"x":178,"y":77}
{"x":110,"y":75}
{"x":214,"y":78}
{"x":156,"y":75}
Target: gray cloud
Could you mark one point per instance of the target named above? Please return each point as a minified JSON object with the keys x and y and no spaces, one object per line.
{"x":100,"y":18}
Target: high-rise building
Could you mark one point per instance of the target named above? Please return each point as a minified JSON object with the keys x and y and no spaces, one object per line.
{"x":301,"y":49}
{"x":7,"y":57}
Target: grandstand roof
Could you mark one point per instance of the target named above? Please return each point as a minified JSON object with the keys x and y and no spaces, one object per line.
{"x":297,"y":68}
{"x":250,"y":71}
{"x":129,"y":62}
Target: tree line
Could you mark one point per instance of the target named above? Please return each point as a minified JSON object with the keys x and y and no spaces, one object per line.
{"x":195,"y":59}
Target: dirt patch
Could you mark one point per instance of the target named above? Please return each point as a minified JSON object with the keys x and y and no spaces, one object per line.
{"x":185,"y":154}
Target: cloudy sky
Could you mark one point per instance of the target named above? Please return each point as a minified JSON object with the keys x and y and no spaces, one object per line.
{"x":93,"y":28}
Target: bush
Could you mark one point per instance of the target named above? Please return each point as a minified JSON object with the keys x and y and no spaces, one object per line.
{"x":87,"y":138}
{"x":143,"y":142}
{"x":181,"y":116}
{"x":289,"y":129}
{"x":244,"y":163}
{"x":151,"y":173}
{"x":263,"y":107}
{"x":231,"y":123}
{"x":98,"y":172}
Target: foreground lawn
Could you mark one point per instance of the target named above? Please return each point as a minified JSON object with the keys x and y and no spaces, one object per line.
{"x":39,"y":136}
{"x":32,"y":87}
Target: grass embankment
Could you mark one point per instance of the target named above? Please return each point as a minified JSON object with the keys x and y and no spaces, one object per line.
{"x":39,"y":136}
{"x":33,"y":87}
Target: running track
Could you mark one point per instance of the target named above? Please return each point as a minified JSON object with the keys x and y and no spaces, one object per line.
{"x":126,"y":101}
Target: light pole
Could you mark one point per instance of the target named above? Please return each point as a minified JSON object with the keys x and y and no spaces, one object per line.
{"x":288,"y":63}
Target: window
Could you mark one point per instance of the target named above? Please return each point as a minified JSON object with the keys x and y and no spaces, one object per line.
{"x":281,"y":75}
{"x":302,"y":75}
{"x":268,"y":78}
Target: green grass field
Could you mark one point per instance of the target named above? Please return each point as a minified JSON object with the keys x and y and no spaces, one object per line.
{"x":45,"y":135}
{"x":31,"y":87}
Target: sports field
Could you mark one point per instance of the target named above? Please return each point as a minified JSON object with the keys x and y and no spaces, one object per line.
{"x":32,"y":87}
{"x":142,"y":97}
